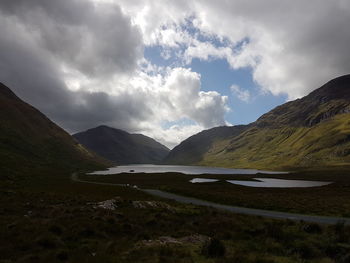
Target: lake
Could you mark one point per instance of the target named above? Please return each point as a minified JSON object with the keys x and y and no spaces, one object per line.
{"x":151,"y":168}
{"x":266,"y":182}
{"x":278,"y":183}
{"x":197,"y":170}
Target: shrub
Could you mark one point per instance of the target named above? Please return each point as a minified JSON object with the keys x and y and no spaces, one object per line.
{"x":305,"y":250}
{"x":335,"y":250}
{"x":312,"y":228}
{"x":345,"y":259}
{"x":214,"y":248}
{"x":274,"y":231}
{"x":62,"y":256}
{"x":341,"y":232}
{"x":47,"y":242}
{"x":56,"y":229}
{"x":264,"y":260}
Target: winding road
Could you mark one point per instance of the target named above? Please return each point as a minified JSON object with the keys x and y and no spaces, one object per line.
{"x":234,"y":209}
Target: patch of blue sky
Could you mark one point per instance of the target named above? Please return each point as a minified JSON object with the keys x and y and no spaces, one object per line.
{"x":217,"y":75}
{"x":154,"y":55}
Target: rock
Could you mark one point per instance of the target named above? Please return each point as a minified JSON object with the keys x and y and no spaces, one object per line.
{"x":196,"y":239}
{"x":151,"y":204}
{"x":29,"y":213}
{"x":110,"y":204}
{"x":168,"y":240}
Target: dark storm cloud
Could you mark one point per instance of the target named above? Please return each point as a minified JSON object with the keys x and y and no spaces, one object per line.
{"x":39,"y":38}
{"x":94,"y":38}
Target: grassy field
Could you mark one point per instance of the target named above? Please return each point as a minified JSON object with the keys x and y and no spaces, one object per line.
{"x":49,"y":218}
{"x":332,"y":200}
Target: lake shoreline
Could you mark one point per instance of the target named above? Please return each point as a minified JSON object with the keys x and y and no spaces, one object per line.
{"x":234,"y":209}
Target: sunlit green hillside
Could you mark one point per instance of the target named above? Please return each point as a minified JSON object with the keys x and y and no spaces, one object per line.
{"x":310,"y":132}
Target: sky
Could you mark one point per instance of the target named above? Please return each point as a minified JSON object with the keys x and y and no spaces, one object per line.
{"x":169,"y":69}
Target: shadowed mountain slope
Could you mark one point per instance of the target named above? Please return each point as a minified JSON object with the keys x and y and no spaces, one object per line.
{"x":122,"y":147}
{"x":29,"y":140}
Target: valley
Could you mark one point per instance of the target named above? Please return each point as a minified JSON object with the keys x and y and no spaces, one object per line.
{"x":335,"y":199}
{"x":45,"y":216}
{"x":189,"y":131}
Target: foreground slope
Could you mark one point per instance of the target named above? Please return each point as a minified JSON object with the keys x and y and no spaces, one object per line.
{"x":308,"y":132}
{"x":122,"y":147}
{"x":29,"y":140}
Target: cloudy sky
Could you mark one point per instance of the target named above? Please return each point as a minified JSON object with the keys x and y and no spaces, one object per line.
{"x":167,"y":68}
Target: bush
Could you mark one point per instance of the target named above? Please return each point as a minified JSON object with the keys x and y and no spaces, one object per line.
{"x":336,"y":251}
{"x":306,"y":250}
{"x":56,"y":229}
{"x":341,"y":232}
{"x":345,"y":259}
{"x":214,"y":248}
{"x":62,"y":256}
{"x":47,"y":242}
{"x":312,"y":228}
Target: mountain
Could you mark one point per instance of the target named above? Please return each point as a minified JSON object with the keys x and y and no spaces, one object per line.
{"x":309,"y":132}
{"x":122,"y":147}
{"x":29,"y":140}
{"x":193,"y":149}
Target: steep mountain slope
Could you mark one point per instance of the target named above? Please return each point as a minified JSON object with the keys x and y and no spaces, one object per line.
{"x":122,"y":147}
{"x":29,"y":140}
{"x":309,"y":132}
{"x":195,"y":147}
{"x":331,"y":99}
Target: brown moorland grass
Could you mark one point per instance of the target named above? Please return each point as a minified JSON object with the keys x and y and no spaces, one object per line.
{"x":49,"y":218}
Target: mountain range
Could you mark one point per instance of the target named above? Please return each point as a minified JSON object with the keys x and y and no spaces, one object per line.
{"x":310,"y":132}
{"x":313,"y":131}
{"x":122,"y":147}
{"x":30,"y":141}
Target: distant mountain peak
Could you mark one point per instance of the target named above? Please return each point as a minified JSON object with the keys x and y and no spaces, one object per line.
{"x":105,"y":128}
{"x":122,"y":147}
